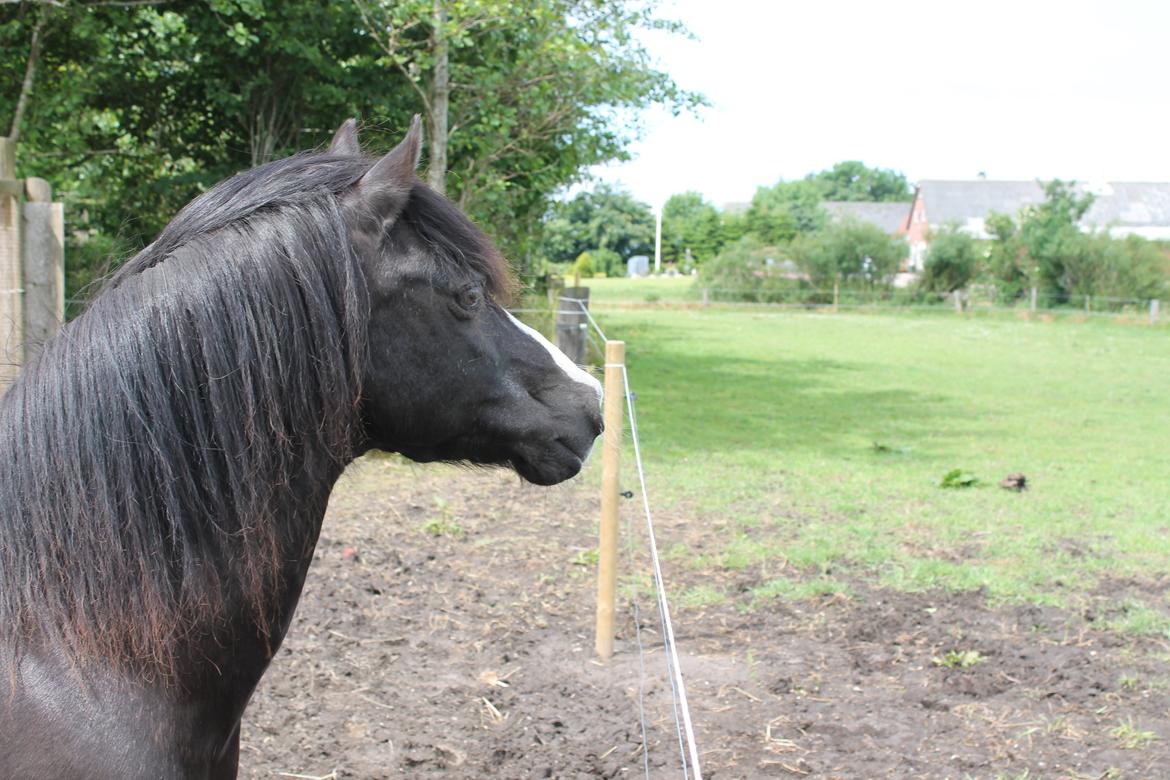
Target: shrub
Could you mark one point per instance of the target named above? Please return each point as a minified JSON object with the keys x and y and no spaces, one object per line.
{"x":850,"y":251}
{"x":950,"y":262}
{"x":583,"y":265}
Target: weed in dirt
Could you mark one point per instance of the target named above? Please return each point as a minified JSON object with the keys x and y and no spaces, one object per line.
{"x":958,"y":659}
{"x":1130,"y":737}
{"x":444,"y":523}
{"x":586,"y":558}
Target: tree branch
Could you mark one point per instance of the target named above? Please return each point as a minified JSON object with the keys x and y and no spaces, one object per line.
{"x":30,"y":72}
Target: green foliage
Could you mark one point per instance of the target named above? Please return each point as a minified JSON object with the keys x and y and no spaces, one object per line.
{"x":780,"y":212}
{"x":607,"y":262}
{"x":957,"y":478}
{"x":690,"y":222}
{"x":958,"y":659}
{"x":851,"y":251}
{"x":604,"y":218}
{"x":136,"y":108}
{"x":1044,"y":246}
{"x":583,"y":265}
{"x":444,"y":523}
{"x":951,"y":261}
{"x":853,"y":180}
{"x":748,"y":270}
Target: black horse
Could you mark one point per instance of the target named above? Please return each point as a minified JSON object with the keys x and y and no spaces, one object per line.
{"x":167,"y":458}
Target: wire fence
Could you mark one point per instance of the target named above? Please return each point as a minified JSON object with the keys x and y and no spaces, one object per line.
{"x":684,"y":726}
{"x":971,"y":300}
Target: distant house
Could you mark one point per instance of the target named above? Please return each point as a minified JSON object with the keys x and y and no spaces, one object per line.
{"x":1122,"y":208}
{"x":892,"y":218}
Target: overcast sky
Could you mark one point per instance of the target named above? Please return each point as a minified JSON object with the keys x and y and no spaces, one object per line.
{"x":936,"y":89}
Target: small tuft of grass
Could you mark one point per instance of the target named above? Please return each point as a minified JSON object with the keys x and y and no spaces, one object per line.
{"x":701,"y":596}
{"x":957,"y":478}
{"x":958,"y":659}
{"x":1130,"y":736}
{"x":1137,"y":618}
{"x":742,"y":552}
{"x":797,"y":590}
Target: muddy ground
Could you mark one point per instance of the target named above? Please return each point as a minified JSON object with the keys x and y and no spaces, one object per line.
{"x":446,"y":631}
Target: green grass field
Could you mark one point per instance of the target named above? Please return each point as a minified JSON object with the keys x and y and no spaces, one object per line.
{"x":648,"y":290}
{"x":821,"y":441}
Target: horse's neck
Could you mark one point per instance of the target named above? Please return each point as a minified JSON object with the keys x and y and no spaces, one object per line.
{"x":226,"y":672}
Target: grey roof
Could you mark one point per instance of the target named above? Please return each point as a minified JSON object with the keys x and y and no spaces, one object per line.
{"x":1136,"y":204}
{"x":1130,"y":204}
{"x":887,"y":216}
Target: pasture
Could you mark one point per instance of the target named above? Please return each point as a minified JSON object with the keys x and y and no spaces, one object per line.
{"x":841,"y":614}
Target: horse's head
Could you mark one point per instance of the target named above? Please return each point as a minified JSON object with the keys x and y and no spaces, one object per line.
{"x":452,"y":375}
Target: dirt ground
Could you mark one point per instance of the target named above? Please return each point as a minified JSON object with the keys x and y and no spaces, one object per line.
{"x":446,"y":631}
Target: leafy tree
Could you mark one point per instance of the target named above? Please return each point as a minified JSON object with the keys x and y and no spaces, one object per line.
{"x":601,"y":218}
{"x":607,"y":262}
{"x":951,"y":261}
{"x":131,"y":108}
{"x":852,"y":251}
{"x":1007,"y":259}
{"x":733,"y":225}
{"x":1044,"y":246}
{"x":780,"y":212}
{"x":521,"y":97}
{"x":1052,"y":239}
{"x":690,"y":222}
{"x":134,"y":108}
{"x":853,"y":180}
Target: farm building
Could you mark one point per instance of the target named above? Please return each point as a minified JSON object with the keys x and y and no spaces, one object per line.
{"x":1122,"y":208}
{"x":890,"y":217}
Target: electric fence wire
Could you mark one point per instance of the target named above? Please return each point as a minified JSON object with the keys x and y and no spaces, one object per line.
{"x":629,"y":552}
{"x":674,"y":668}
{"x":582,"y":304}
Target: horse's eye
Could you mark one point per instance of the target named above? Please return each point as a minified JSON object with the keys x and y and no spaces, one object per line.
{"x":471,"y":298}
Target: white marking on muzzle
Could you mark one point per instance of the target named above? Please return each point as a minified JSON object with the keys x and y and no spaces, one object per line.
{"x":571,"y":369}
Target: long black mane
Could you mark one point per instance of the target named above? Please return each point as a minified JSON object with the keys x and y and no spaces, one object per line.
{"x":151,"y":449}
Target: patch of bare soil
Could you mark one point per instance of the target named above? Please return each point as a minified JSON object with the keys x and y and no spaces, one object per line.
{"x":446,"y":631}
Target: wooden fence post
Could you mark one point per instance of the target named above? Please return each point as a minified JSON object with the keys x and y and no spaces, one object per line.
{"x":11,"y":317}
{"x":615,"y":398}
{"x":1154,"y":305}
{"x":706,"y":297}
{"x":1033,"y":307}
{"x":43,"y":249}
{"x":572,"y":323}
{"x":836,"y":294}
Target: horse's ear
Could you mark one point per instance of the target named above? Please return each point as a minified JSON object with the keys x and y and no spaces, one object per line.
{"x":388,"y":183}
{"x":345,"y":140}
